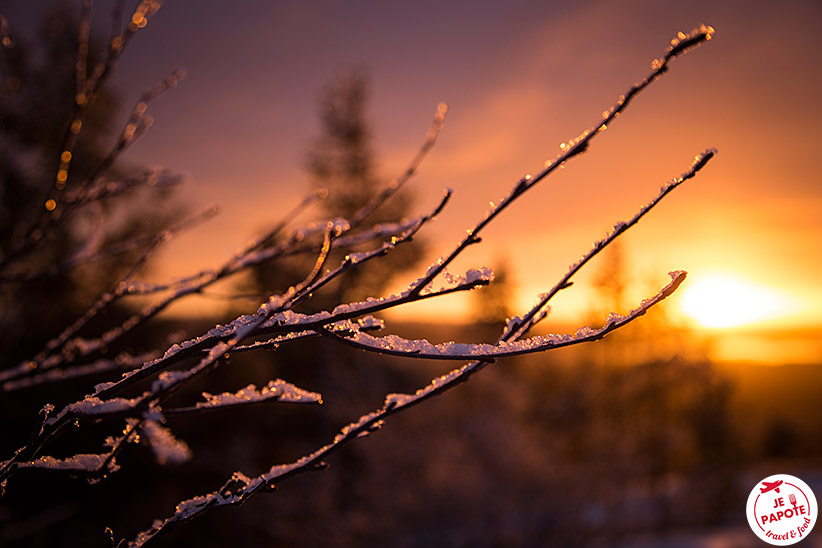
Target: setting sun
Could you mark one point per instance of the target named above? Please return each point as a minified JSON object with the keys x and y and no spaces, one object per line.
{"x":723,"y":301}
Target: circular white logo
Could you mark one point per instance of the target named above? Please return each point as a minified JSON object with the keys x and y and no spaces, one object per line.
{"x":782,"y":509}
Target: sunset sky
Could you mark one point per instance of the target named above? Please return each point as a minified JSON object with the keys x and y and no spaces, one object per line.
{"x":520,"y":77}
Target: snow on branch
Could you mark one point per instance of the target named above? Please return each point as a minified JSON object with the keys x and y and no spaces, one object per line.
{"x":167,"y":448}
{"x":276,"y":390}
{"x":82,"y":462}
{"x":121,"y":361}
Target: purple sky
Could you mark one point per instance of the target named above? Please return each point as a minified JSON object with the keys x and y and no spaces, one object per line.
{"x":520,"y":77}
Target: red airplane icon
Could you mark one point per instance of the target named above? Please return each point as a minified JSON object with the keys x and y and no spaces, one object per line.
{"x":769,"y":485}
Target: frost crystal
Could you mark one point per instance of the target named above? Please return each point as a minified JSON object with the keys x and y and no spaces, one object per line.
{"x":356,"y":426}
{"x":92,"y":405}
{"x":278,"y":390}
{"x":167,"y":448}
{"x":396,"y":400}
{"x":83,"y":462}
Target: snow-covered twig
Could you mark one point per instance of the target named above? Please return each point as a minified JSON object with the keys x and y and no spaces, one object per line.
{"x":276,"y":390}
{"x":95,"y":251}
{"x":410,"y":171}
{"x":102,"y":187}
{"x":46,"y":359}
{"x":122,"y":362}
{"x":138,"y":122}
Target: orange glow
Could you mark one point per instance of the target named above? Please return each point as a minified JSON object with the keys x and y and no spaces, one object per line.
{"x":128,"y":133}
{"x":723,"y":301}
{"x":116,"y":43}
{"x":138,"y":19}
{"x":754,"y":210}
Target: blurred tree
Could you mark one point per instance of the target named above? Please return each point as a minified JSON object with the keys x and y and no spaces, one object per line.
{"x":37,"y":102}
{"x":658,"y":337}
{"x":645,"y":411}
{"x":610,"y":282}
{"x":492,"y":303}
{"x":342,"y":161}
{"x":36,"y":106}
